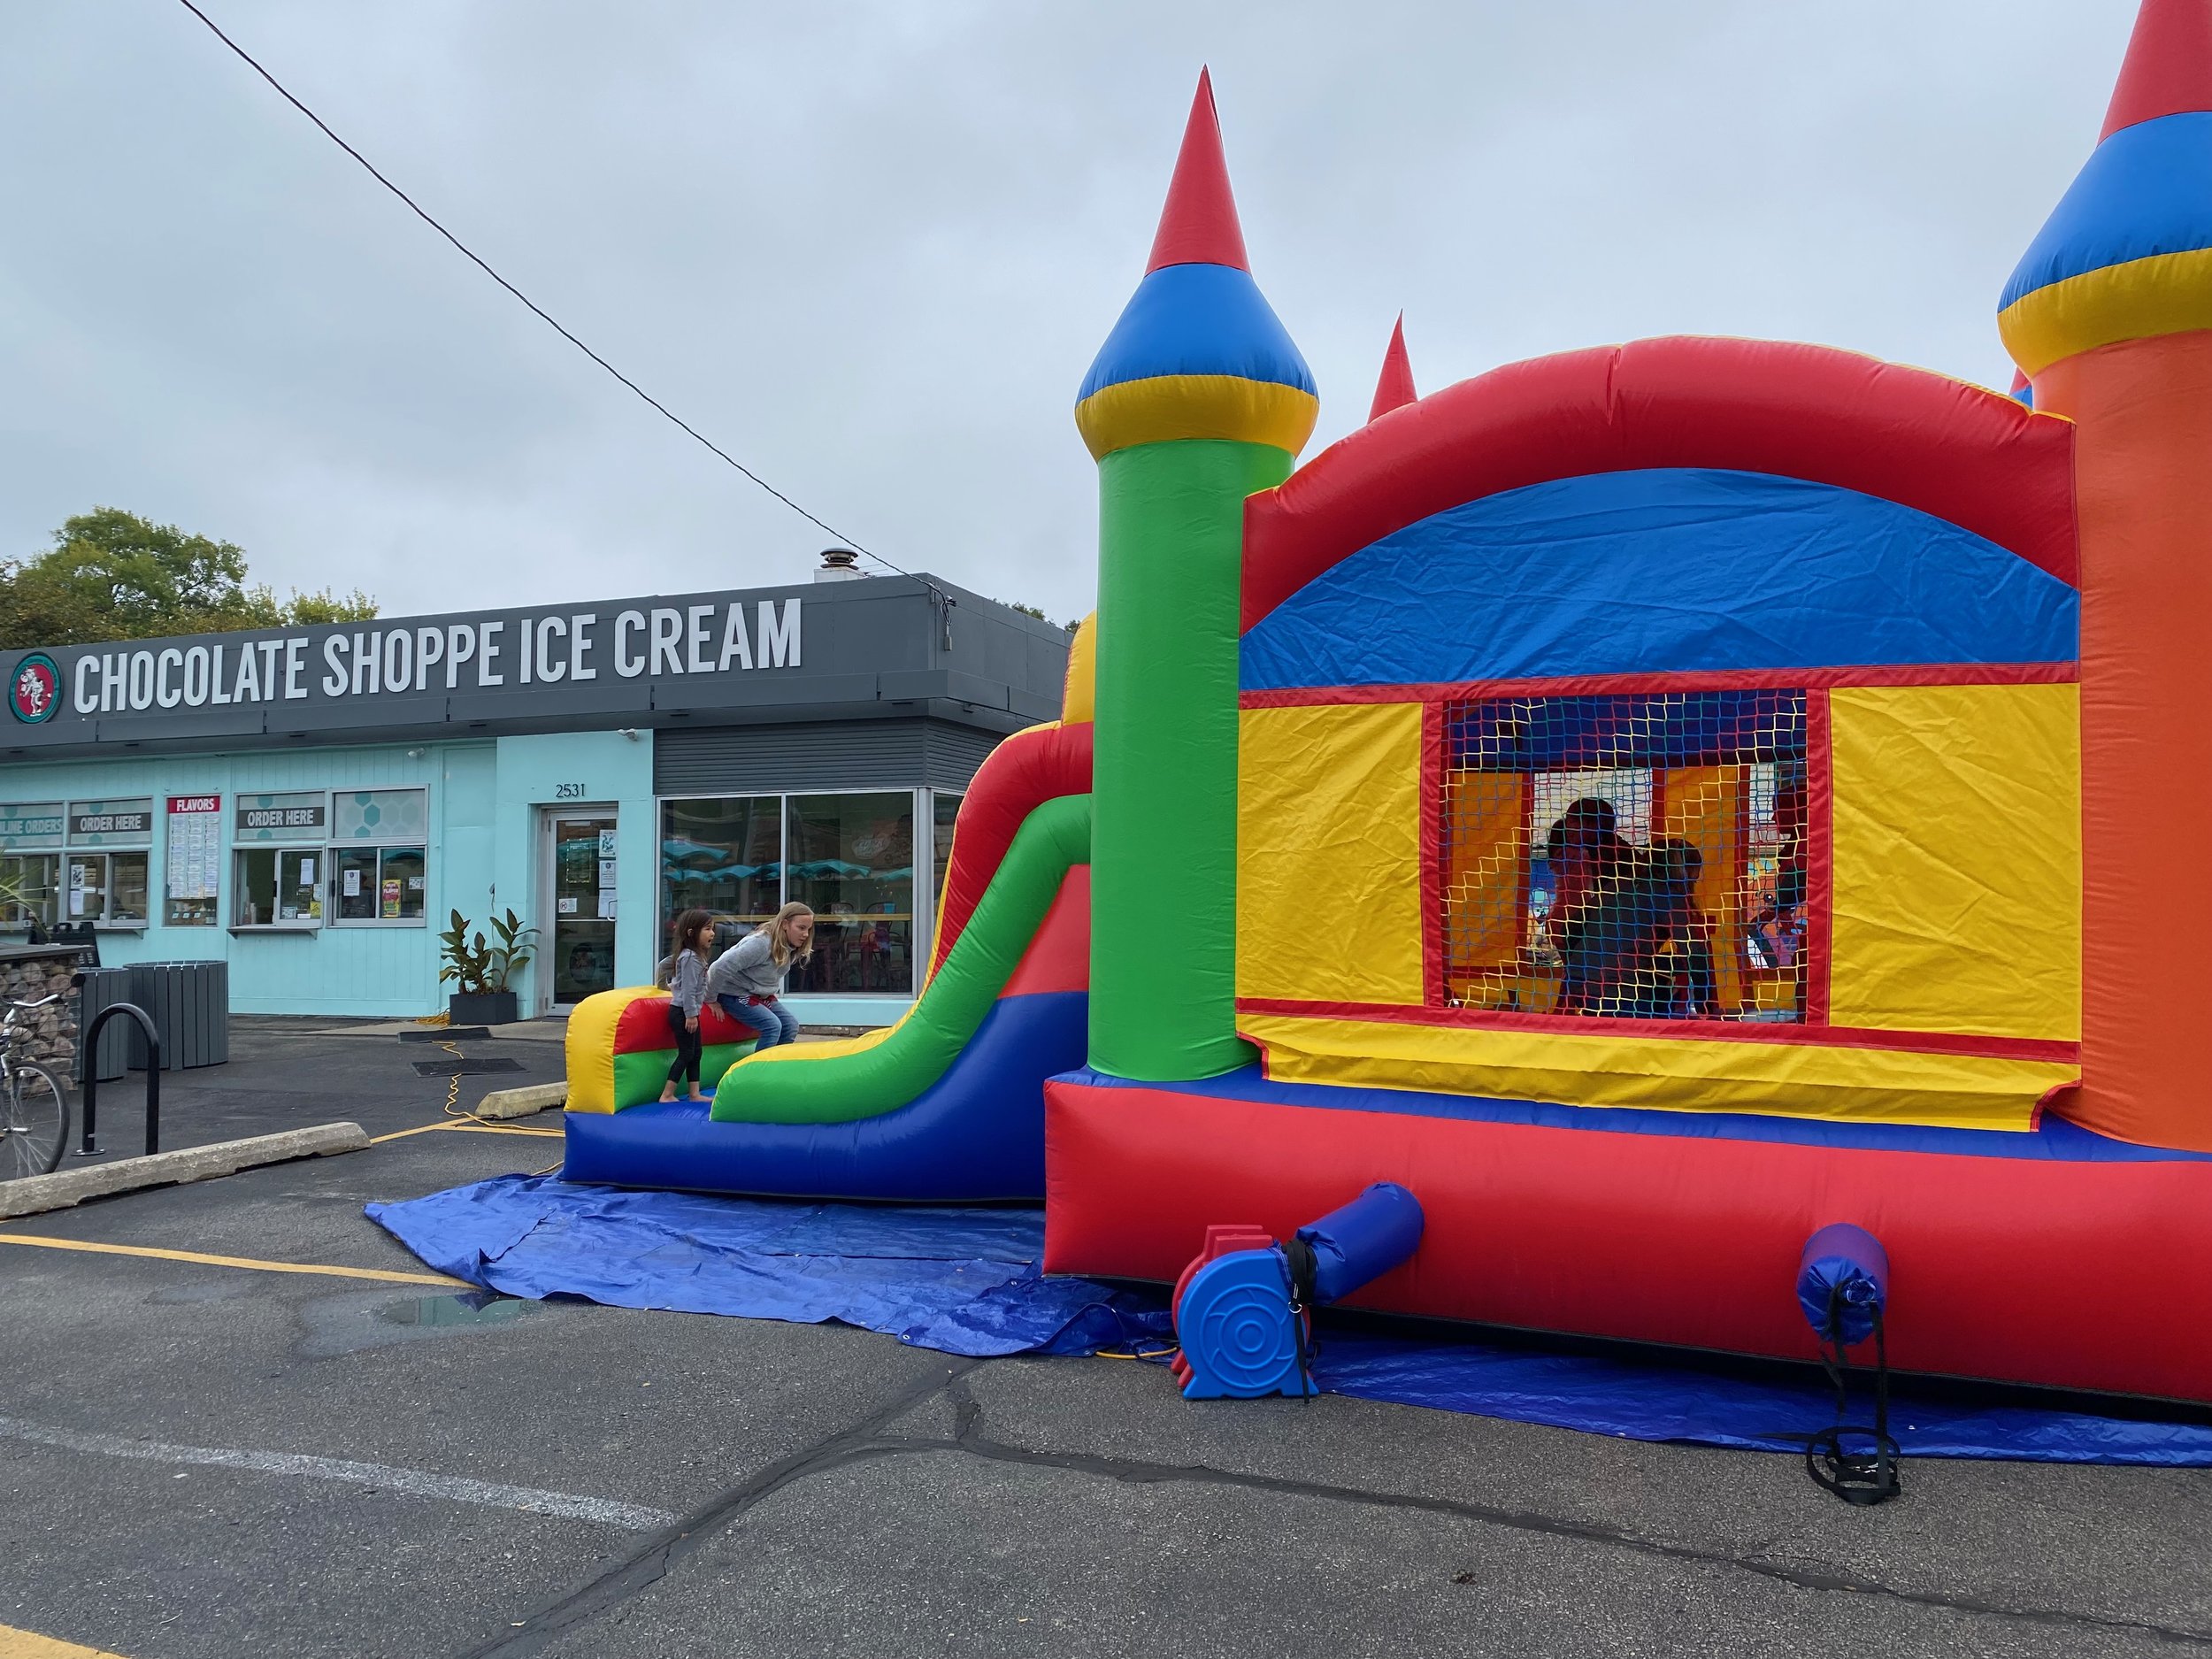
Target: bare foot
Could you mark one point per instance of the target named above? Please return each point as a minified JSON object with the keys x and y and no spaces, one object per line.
{"x":669,"y":1098}
{"x":700,"y":1100}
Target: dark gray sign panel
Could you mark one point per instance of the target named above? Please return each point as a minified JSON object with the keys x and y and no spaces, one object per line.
{"x":717,"y":653}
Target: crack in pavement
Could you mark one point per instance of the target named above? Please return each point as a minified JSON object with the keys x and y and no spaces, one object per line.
{"x":651,"y":1560}
{"x":968,"y":1416}
{"x":862,"y":1443}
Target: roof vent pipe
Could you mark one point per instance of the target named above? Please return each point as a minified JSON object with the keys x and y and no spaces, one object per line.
{"x":839,"y":564}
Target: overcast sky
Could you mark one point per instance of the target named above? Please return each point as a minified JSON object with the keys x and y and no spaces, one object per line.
{"x":872,"y":248}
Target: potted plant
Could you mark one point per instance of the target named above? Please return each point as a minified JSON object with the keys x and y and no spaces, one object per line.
{"x":479,"y":972}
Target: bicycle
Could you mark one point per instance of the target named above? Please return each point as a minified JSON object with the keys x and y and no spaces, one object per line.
{"x":34,"y":1102}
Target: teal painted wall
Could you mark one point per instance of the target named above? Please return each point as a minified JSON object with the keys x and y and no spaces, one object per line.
{"x":483,"y":855}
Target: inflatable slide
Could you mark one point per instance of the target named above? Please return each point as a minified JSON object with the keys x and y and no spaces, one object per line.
{"x":949,"y":1104}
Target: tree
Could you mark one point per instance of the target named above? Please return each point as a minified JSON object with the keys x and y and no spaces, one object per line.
{"x":112,"y":575}
{"x":1031,"y":610}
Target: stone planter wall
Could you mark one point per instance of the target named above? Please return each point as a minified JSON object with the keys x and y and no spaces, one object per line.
{"x":29,"y":973}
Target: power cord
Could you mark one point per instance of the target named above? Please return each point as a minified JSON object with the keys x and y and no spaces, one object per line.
{"x":543,"y":315}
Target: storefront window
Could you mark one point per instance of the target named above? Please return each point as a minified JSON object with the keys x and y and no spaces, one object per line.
{"x":723,"y":855}
{"x":109,"y":887}
{"x":945,"y":808}
{"x":379,"y":884}
{"x":30,"y":875}
{"x":279,"y":886}
{"x":379,"y":815}
{"x":852,"y":863}
{"x":850,"y":858}
{"x":30,"y":889}
{"x":402,"y":884}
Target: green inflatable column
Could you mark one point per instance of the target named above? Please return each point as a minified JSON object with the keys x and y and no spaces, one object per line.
{"x":1197,"y":399}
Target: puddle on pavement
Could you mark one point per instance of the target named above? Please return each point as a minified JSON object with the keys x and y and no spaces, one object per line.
{"x":471,"y":1308}
{"x":348,"y":1322}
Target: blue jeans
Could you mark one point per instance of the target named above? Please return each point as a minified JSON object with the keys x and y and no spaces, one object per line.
{"x":775,"y":1023}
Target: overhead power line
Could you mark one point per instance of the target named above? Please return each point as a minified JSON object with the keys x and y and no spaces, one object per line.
{"x":543,"y":315}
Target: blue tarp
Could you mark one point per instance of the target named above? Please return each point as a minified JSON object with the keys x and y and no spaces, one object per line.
{"x":965,"y":1281}
{"x":960,"y":1281}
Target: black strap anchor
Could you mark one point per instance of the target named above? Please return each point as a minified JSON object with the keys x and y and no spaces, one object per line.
{"x":1868,"y":1475}
{"x":1304,"y":1269}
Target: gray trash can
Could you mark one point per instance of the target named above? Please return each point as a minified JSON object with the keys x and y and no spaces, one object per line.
{"x":102,"y":987}
{"x":189,"y":1002}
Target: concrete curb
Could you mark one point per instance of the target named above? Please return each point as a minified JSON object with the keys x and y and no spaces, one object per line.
{"x":521,"y":1102}
{"x":33,"y":1195}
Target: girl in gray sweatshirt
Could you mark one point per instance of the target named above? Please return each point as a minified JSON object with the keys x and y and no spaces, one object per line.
{"x":747,"y":979}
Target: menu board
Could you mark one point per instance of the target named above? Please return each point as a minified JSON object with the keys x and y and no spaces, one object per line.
{"x":195,"y":854}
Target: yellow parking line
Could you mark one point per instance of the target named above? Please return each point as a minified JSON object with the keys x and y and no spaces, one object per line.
{"x":383,"y":1275}
{"x":23,"y":1643}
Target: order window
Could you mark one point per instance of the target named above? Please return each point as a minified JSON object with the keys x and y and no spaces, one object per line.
{"x":108,"y":884}
{"x":280,"y":887}
{"x":379,"y":884}
{"x":279,"y":859}
{"x":107,"y":888}
{"x":379,"y":866}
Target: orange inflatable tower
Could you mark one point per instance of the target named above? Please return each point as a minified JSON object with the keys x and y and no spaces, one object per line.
{"x":2109,"y":314}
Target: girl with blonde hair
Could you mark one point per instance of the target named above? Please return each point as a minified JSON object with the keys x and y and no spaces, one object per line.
{"x":747,"y":979}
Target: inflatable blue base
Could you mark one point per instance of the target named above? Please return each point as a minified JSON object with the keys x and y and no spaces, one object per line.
{"x":965,"y":1281}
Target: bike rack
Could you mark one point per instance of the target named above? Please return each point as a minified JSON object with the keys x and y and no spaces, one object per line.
{"x":90,"y":1039}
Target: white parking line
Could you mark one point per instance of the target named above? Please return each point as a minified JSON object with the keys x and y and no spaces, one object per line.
{"x":418,"y":1483}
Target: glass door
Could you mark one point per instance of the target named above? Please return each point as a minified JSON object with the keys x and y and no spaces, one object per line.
{"x":576,"y":936}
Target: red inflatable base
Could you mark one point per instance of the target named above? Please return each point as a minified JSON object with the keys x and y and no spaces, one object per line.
{"x":2078,"y":1275}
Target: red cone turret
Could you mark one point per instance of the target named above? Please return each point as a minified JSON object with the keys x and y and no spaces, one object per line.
{"x":1199,"y":224}
{"x":1395,"y":388}
{"x":2168,"y":70}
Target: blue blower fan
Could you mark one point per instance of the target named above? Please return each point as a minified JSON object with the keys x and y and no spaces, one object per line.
{"x":1242,"y":1307}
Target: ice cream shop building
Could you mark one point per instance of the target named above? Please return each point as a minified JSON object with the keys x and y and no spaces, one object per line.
{"x":312,"y":804}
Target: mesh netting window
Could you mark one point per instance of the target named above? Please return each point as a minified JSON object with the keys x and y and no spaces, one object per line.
{"x":1629,"y":856}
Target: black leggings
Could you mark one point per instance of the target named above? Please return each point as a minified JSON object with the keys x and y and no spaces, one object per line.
{"x":687,"y":1060}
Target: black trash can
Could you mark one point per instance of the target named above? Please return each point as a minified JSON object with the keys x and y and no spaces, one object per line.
{"x":190,"y":1005}
{"x":100,"y":986}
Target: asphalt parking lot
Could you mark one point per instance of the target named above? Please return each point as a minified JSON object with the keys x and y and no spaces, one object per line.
{"x":198,"y":1458}
{"x":290,"y":1074}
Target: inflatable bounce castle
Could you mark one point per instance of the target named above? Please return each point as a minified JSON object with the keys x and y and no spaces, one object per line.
{"x":1649,"y":804}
